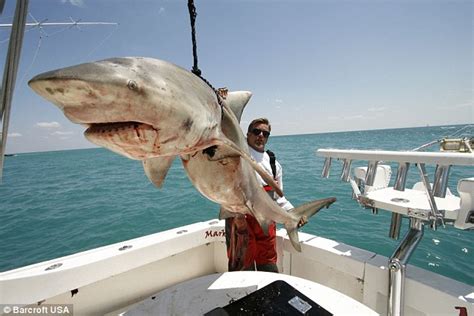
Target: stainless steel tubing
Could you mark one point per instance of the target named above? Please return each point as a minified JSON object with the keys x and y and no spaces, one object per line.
{"x":440,"y":184}
{"x":431,"y":199}
{"x":346,"y":170}
{"x":401,"y":178}
{"x":371,"y":172}
{"x":326,"y":167}
{"x":395,"y":226}
{"x":397,"y":267}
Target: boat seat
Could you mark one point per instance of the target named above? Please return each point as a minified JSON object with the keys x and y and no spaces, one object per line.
{"x":466,"y":211}
{"x":420,"y":186}
{"x":382,"y":177}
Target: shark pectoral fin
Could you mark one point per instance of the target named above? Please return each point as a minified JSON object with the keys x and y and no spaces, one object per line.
{"x":264,"y":225}
{"x":157,"y":168}
{"x":309,"y":209}
{"x":292,"y":232}
{"x":265,"y":176}
{"x":262,"y":221}
{"x":237,"y":100}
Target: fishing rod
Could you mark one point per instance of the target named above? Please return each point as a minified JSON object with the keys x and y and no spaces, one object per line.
{"x":466,"y":141}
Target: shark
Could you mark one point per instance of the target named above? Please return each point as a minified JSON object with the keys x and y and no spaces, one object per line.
{"x":154,"y":111}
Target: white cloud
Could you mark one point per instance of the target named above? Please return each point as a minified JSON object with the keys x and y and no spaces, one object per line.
{"x":62,"y":133}
{"x":48,"y":124}
{"x":278,"y":100}
{"x":376,"y":109}
{"x":161,"y":11}
{"x":76,"y":3}
{"x":353,"y":117}
{"x":457,"y":106}
{"x":349,"y":118}
{"x":14,"y":135}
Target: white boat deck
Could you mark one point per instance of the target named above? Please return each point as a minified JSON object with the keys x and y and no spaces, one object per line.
{"x":204,"y":294}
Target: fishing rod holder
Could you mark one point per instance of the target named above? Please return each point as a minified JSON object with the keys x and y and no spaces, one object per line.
{"x":441,"y":180}
{"x":401,"y":178}
{"x":425,"y":203}
{"x":326,"y":167}
{"x":346,"y":170}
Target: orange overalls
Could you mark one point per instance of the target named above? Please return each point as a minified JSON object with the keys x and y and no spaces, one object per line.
{"x":247,"y":244}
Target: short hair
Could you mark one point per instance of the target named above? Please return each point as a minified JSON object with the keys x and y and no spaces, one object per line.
{"x":261,"y":120}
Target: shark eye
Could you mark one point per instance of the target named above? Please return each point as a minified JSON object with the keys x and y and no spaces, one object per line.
{"x":132,"y":85}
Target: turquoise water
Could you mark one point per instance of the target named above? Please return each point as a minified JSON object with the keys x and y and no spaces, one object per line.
{"x":58,"y":203}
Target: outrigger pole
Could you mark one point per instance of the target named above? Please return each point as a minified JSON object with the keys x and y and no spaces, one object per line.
{"x":10,"y":71}
{"x":12,"y":61}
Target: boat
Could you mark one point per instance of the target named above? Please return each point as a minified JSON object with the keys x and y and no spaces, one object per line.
{"x":183,"y":271}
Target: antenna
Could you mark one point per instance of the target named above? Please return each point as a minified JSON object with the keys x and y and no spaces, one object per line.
{"x":72,"y":23}
{"x":13,"y":56}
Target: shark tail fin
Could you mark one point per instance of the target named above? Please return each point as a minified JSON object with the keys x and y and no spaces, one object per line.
{"x":309,"y":209}
{"x":306,"y":210}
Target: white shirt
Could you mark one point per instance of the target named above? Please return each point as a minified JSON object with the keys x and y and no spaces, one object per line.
{"x":264,"y":161}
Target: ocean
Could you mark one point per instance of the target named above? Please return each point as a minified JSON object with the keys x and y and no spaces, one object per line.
{"x":57,"y":203}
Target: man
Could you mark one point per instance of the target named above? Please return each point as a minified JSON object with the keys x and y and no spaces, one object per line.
{"x":244,"y":231}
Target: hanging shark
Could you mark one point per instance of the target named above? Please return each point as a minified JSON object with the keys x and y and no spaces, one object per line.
{"x":151,"y":110}
{"x":236,"y":188}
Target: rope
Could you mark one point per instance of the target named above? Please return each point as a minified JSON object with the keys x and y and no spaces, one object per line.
{"x":192,"y":16}
{"x":196,"y":70}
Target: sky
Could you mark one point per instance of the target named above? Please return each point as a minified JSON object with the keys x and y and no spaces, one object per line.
{"x":312,"y":66}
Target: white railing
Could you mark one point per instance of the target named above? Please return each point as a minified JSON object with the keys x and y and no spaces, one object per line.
{"x":432,"y":205}
{"x":439,"y":158}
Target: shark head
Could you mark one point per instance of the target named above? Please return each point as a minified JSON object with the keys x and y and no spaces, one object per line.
{"x":138,"y":107}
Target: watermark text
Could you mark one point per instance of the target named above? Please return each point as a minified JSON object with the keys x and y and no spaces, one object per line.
{"x":30,"y":310}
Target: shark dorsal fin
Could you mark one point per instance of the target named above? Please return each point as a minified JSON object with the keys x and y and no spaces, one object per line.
{"x":237,"y":100}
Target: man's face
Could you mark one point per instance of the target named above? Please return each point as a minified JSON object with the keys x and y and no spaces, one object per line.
{"x":258,"y":136}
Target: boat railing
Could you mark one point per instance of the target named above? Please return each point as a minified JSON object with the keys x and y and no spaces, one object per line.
{"x":434,"y":204}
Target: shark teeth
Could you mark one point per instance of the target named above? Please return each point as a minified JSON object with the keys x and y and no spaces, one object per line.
{"x":97,"y":128}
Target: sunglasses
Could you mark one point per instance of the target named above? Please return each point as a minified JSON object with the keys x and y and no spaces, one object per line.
{"x":257,"y":132}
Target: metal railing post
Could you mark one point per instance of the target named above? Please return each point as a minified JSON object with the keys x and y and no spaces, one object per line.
{"x":397,"y":267}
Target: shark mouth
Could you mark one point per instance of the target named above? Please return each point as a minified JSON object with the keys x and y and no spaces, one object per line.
{"x":118,"y":127}
{"x":134,"y":140}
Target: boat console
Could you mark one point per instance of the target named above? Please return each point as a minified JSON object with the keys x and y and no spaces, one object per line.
{"x":426,"y":203}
